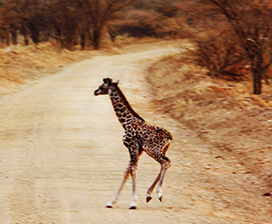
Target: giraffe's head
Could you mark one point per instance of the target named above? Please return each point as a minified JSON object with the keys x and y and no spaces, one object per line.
{"x":104,"y":88}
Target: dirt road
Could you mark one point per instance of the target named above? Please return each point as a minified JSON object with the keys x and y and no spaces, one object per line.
{"x":62,"y":158}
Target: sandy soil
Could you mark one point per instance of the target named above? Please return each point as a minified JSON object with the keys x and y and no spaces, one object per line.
{"x":62,"y":157}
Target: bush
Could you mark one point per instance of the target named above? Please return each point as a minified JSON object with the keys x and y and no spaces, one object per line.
{"x":137,"y":23}
{"x":221,"y":54}
{"x":148,"y":23}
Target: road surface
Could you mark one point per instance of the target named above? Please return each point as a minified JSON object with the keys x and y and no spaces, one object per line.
{"x":62,"y":158}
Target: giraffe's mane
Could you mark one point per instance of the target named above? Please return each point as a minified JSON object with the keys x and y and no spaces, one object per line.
{"x":120,"y":93}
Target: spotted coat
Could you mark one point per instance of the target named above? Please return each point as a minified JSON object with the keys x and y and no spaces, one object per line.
{"x":139,"y":136}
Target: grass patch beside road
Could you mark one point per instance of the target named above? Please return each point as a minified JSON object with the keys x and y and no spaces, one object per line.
{"x":230,"y":120}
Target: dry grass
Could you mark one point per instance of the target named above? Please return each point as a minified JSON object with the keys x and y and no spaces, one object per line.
{"x":24,"y":64}
{"x":21,"y":64}
{"x":224,"y":114}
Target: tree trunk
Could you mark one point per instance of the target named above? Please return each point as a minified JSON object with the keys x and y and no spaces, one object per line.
{"x":112,"y":32}
{"x":83,"y":38}
{"x":34,"y":32}
{"x":7,"y":36}
{"x":14,"y":36}
{"x":70,"y":36}
{"x":58,"y":33}
{"x":24,"y":32}
{"x":96,"y":38}
{"x":8,"y":40}
{"x":257,"y":78}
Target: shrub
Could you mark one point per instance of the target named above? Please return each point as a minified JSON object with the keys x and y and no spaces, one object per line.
{"x":221,"y":54}
{"x":137,"y":23}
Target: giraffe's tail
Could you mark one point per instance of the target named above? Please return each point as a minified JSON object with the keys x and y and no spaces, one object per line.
{"x":169,"y":135}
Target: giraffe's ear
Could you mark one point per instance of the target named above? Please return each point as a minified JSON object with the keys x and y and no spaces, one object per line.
{"x":117,"y":81}
{"x":108,"y":81}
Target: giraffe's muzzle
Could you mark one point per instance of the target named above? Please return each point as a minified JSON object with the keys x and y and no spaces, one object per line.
{"x":96,"y":92}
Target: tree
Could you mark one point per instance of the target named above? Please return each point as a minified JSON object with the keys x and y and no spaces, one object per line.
{"x":251,"y":22}
{"x":4,"y":27}
{"x":62,"y":19}
{"x":220,"y":52}
{"x":99,"y":13}
{"x":27,"y":16}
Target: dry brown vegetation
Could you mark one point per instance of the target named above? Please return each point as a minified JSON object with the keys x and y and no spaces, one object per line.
{"x":224,"y":114}
{"x":49,"y":136}
{"x":229,"y":120}
{"x":21,"y":64}
{"x":228,"y":39}
{"x":207,"y":87}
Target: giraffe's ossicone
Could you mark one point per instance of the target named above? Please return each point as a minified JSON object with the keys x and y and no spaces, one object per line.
{"x":139,"y":136}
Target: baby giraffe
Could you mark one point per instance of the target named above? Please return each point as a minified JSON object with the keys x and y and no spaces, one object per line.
{"x":139,"y":136}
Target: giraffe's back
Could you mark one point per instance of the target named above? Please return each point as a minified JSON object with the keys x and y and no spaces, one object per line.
{"x":151,"y":135}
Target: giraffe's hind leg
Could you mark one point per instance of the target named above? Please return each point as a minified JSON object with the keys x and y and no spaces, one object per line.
{"x":165,"y":164}
{"x":151,"y":188}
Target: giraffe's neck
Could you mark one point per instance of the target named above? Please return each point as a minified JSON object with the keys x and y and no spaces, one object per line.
{"x":122,"y":108}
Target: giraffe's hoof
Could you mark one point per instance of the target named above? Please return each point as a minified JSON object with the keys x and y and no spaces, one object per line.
{"x":148,"y":198}
{"x":160,"y":198}
{"x":108,"y":206}
{"x":132,"y":207}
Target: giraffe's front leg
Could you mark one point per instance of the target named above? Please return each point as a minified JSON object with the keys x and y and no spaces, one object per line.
{"x":131,"y":169}
{"x":114,"y":199}
{"x":133,"y":204}
{"x":133,"y":162}
{"x":130,"y":141}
